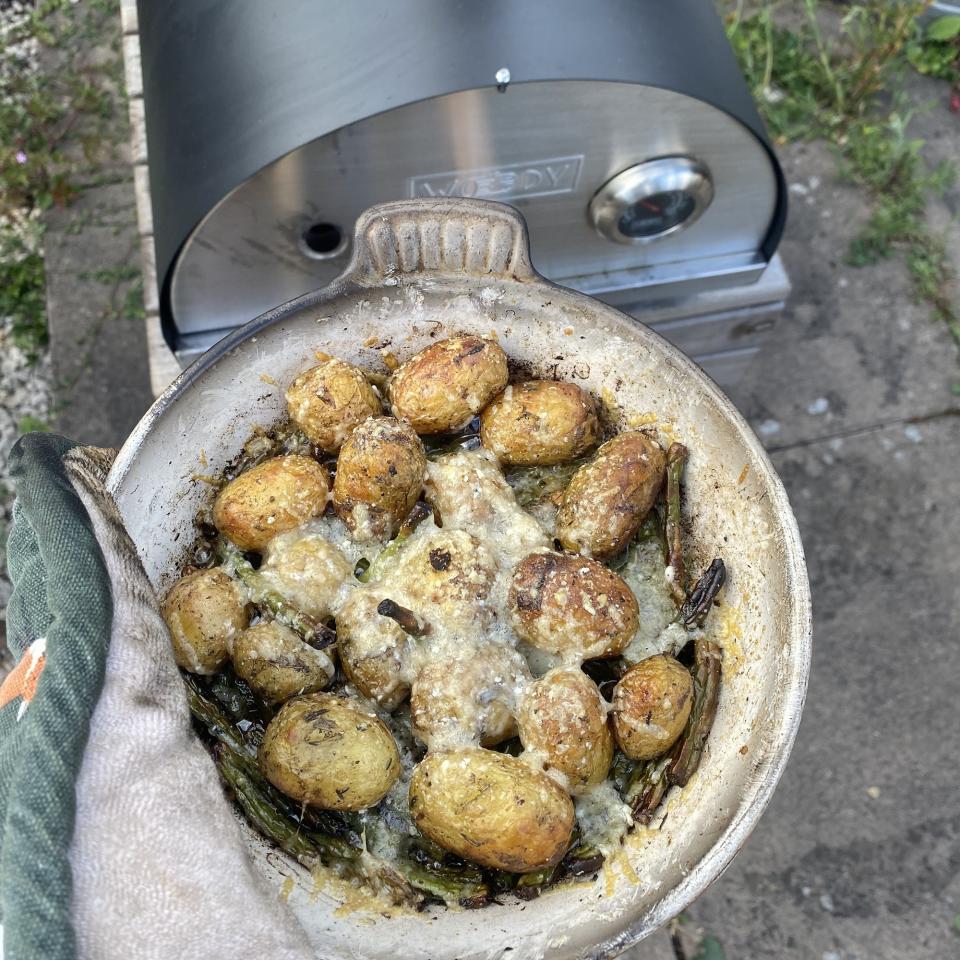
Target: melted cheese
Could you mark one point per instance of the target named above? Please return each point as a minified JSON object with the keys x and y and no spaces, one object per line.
{"x":657,"y":632}
{"x":455,"y":578}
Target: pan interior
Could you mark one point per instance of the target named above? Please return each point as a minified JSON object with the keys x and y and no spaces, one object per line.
{"x":737,"y":510}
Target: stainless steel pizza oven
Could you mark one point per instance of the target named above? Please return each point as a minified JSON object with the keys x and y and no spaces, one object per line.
{"x":622,"y":130}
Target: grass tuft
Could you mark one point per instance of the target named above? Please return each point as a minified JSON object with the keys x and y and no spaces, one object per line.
{"x":40,"y":114}
{"x":809,"y":84}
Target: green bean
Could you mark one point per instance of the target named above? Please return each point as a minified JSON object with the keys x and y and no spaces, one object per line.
{"x":648,"y":788}
{"x":657,"y":776}
{"x":694,"y":611}
{"x":445,"y":883}
{"x":530,"y":885}
{"x":212,"y":717}
{"x":324,"y":829}
{"x":309,"y":630}
{"x":707,"y":672}
{"x":388,"y":556}
{"x":423,"y":848}
{"x":257,"y":799}
{"x":261,"y":813}
{"x":677,"y":456}
{"x":582,"y":860}
{"x":404,"y":618}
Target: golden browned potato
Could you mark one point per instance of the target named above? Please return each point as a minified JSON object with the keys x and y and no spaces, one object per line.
{"x":277,"y":664}
{"x":563,"y":719}
{"x":459,"y":702}
{"x":540,"y":422}
{"x":651,"y":704}
{"x":608,"y":497}
{"x":446,"y":575}
{"x":571,"y":606}
{"x":327,"y":751}
{"x":329,"y":400}
{"x":374,"y":652}
{"x":270,"y":498}
{"x":203,"y":611}
{"x":380,"y":474}
{"x":491,"y":808}
{"x":442,"y":387}
{"x":306,"y":570}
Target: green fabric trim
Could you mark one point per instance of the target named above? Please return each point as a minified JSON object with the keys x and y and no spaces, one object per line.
{"x":61,"y":591}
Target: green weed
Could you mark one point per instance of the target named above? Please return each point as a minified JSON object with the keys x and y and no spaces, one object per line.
{"x":29,"y":424}
{"x":133,"y":308}
{"x":112,"y":275}
{"x":710,"y":949}
{"x":22,"y":292}
{"x":815,"y":83}
{"x":935,"y":51}
{"x":42,"y":115}
{"x":810,"y":85}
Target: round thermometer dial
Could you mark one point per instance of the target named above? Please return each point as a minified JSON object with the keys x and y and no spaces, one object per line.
{"x":651,"y":200}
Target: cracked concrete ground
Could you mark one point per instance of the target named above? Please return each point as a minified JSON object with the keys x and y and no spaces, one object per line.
{"x":98,"y":342}
{"x":858,"y":856}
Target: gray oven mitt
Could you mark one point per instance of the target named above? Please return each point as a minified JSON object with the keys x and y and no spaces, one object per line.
{"x":116,"y":840}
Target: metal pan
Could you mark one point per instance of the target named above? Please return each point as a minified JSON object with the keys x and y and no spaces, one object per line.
{"x":423,"y":269}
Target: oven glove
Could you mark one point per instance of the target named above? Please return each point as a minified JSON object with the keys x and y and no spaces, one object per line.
{"x":116,"y":839}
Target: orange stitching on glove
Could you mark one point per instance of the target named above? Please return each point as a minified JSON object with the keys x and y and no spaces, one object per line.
{"x":21,"y":681}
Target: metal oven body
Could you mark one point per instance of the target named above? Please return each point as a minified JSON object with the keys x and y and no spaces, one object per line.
{"x":621,"y":129}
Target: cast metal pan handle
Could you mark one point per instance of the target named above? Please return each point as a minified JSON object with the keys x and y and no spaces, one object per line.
{"x":440,"y":237}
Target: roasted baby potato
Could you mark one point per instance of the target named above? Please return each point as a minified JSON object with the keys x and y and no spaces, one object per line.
{"x":442,"y":387}
{"x":651,"y":704}
{"x":469,"y":701}
{"x":329,"y":400}
{"x":563,"y":719}
{"x":450,"y":571}
{"x":306,"y":570}
{"x":326,"y":751}
{"x":277,"y":664}
{"x":380,"y":474}
{"x":491,"y":808}
{"x":608,"y":497}
{"x":203,"y":611}
{"x":374,"y":651}
{"x":571,"y":606}
{"x":270,"y":498}
{"x":540,"y":422}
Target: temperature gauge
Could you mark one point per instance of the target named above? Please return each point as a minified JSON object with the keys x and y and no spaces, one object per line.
{"x":651,"y":200}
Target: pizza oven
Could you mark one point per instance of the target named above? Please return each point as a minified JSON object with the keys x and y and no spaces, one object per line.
{"x":623,"y":131}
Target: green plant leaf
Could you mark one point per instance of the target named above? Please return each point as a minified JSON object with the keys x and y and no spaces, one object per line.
{"x":31,"y":424}
{"x":944,"y":28}
{"x":710,"y":949}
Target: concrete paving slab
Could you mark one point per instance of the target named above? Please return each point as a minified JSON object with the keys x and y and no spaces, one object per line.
{"x":92,"y":250}
{"x":853,"y":349}
{"x":858,"y":857}
{"x":97,"y":334}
